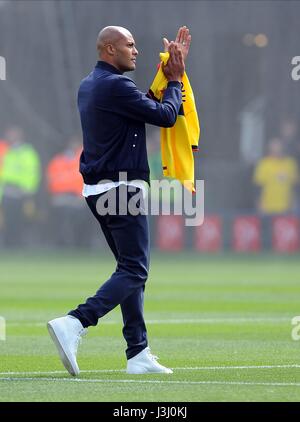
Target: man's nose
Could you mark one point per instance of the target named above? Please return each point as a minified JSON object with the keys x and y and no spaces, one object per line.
{"x":135,"y":51}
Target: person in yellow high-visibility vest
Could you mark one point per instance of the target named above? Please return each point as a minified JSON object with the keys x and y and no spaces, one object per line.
{"x":19,"y":181}
{"x":3,"y":150}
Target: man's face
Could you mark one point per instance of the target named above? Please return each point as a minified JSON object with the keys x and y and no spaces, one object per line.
{"x":125,"y":53}
{"x":275,"y":148}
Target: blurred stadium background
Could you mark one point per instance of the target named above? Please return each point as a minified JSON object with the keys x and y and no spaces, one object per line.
{"x":226,"y":293}
{"x":240,"y":69}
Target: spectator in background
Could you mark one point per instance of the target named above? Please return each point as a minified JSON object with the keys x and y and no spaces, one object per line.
{"x":19,"y":181}
{"x":65,"y":185}
{"x":276,"y":177}
{"x":3,"y":149}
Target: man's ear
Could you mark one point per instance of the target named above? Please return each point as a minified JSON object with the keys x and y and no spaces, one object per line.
{"x":110,"y":49}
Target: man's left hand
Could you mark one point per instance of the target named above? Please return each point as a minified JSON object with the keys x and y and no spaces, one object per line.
{"x":183,"y":41}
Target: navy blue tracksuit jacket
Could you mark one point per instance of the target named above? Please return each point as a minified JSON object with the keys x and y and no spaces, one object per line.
{"x":113,"y":114}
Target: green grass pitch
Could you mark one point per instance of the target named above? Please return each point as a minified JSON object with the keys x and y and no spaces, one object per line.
{"x":223,"y":323}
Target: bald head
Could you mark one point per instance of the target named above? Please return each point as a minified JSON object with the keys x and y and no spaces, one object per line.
{"x":110,"y":35}
{"x":116,"y":46}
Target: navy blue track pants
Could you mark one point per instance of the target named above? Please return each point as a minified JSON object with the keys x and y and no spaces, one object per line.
{"x":128,"y":238}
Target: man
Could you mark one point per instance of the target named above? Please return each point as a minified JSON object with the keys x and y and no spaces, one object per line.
{"x":3,"y":151}
{"x":113,"y":115}
{"x":64,"y":184}
{"x":276,"y":176}
{"x":20,"y":179}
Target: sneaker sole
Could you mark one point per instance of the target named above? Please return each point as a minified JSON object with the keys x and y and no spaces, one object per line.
{"x":63,"y":356}
{"x":145,"y":371}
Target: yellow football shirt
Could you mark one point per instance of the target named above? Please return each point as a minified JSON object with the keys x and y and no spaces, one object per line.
{"x":277,"y":178}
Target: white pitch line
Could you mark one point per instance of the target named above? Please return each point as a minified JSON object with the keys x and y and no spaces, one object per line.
{"x":174,"y":321}
{"x":209,"y":368}
{"x":193,"y":368}
{"x":62,"y":372}
{"x":132,"y":381}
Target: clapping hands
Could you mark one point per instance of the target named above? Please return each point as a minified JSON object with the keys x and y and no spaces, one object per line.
{"x":182,"y":41}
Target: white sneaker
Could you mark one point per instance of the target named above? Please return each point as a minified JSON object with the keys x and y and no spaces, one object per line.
{"x":146,"y":363}
{"x":66,"y":333}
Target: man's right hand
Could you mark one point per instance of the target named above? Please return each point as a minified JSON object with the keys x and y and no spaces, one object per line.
{"x":174,"y":69}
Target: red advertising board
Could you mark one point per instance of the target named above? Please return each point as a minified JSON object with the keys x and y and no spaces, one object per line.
{"x":285,"y":234}
{"x":170,"y":232}
{"x":246,"y":234}
{"x":209,"y":235}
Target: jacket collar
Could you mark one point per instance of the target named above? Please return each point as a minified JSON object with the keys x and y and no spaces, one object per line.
{"x":107,"y":66}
